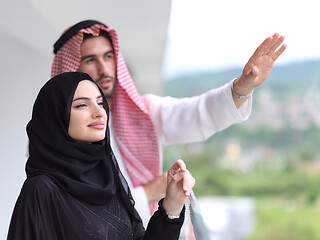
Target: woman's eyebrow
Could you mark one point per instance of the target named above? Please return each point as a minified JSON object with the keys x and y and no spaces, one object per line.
{"x":85,"y":98}
{"x":80,"y":98}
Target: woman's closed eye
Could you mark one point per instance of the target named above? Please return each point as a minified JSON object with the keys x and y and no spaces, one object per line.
{"x":82,"y":105}
{"x":101,"y":104}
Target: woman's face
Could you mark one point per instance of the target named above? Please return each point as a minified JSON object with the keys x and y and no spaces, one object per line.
{"x":88,"y":118}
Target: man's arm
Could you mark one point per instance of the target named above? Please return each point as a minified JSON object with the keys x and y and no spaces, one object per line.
{"x":195,"y":119}
{"x":258,"y":67}
{"x":156,"y":188}
{"x":152,"y":192}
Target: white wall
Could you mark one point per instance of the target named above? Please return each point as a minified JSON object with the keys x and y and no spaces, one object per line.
{"x":23,"y":72}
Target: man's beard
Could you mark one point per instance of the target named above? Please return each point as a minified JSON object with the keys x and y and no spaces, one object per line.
{"x":109,"y":94}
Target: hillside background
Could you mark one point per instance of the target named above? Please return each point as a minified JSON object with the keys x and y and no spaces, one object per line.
{"x":273,"y":157}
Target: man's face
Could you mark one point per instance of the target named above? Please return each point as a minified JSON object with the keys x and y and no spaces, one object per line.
{"x":98,"y":60}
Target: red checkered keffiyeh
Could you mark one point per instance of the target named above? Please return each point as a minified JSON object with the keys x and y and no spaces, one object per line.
{"x":134,"y":131}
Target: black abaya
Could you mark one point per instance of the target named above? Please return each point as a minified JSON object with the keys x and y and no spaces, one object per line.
{"x":43,"y":211}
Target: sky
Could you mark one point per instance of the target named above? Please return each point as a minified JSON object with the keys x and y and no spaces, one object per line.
{"x":216,"y":35}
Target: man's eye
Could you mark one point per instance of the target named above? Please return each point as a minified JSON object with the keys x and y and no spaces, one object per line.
{"x":109,"y":56}
{"x":89,"y":60}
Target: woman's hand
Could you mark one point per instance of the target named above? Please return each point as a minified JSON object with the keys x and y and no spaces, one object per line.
{"x":179,"y":185}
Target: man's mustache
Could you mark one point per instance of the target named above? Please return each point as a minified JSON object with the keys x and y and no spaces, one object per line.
{"x":104,"y":76}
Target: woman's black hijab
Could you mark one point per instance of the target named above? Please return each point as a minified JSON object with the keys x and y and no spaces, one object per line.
{"x":86,"y":171}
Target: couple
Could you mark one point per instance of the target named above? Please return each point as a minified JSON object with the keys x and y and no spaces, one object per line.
{"x":140,"y":123}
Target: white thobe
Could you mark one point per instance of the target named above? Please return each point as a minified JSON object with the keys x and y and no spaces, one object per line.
{"x":186,"y":120}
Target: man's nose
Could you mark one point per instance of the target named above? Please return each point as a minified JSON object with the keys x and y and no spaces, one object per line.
{"x":102,"y":68}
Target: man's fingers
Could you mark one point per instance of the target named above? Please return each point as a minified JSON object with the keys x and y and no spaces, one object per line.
{"x":179,"y":175}
{"x":186,"y":179}
{"x":276,"y":43}
{"x":251,"y":70}
{"x":263,"y":48}
{"x":178,"y":165}
{"x":279,"y":52}
{"x":269,"y":46}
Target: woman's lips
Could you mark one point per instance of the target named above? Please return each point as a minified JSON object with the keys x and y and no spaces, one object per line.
{"x":97,"y":125}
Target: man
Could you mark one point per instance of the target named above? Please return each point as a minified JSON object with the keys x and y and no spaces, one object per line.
{"x":140,"y":124}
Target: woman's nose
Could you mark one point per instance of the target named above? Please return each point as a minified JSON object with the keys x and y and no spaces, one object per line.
{"x":98,"y":111}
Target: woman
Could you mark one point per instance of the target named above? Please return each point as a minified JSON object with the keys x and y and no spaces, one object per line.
{"x":74,"y":188}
